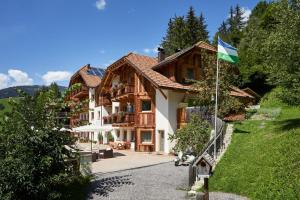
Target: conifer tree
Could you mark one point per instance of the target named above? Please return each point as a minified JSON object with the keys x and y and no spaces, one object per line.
{"x":183,"y":32}
{"x":193,"y":27}
{"x":202,"y":32}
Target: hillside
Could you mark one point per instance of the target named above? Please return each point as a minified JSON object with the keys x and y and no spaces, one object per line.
{"x":262,"y":161}
{"x":30,"y":89}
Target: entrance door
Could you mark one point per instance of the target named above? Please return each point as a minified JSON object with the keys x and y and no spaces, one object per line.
{"x":161,"y":140}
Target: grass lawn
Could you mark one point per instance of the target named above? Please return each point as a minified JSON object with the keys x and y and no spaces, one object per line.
{"x":263,"y":160}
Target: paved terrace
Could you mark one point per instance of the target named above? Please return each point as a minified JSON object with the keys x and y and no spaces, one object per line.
{"x":126,"y":159}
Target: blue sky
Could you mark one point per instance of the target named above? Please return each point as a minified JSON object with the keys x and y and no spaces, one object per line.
{"x":47,"y":40}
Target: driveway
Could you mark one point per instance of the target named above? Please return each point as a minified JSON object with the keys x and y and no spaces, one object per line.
{"x":157,"y":182}
{"x":126,"y":159}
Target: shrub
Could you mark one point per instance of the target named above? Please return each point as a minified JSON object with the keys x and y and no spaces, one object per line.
{"x":110,"y":138}
{"x":194,"y":135}
{"x":33,"y":154}
{"x":2,"y":107}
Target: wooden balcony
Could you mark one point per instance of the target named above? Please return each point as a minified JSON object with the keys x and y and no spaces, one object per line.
{"x":123,"y":91}
{"x":75,"y":122}
{"x":104,"y":101}
{"x":120,"y":119}
{"x":145,"y":119}
{"x":80,"y":92}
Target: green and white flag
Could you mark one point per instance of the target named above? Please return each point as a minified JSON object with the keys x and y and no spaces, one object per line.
{"x":227,"y":52}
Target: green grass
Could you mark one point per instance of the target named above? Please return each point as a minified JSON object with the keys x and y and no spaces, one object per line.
{"x":263,"y":160}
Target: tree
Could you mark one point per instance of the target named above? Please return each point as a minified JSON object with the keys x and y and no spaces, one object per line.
{"x":194,"y":135}
{"x":33,"y":154}
{"x":206,"y":87}
{"x":231,"y":30}
{"x":252,"y":58}
{"x":184,"y":32}
{"x":193,"y":27}
{"x":283,"y":48}
{"x":176,"y":37}
{"x":203,"y":34}
{"x":223,"y":33}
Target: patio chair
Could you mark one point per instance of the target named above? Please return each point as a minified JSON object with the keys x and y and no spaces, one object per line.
{"x":106,"y":153}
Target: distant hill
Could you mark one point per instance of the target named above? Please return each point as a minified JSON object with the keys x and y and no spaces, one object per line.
{"x":30,"y":89}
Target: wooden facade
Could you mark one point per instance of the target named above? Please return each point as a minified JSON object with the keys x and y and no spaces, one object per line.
{"x":79,"y":95}
{"x":126,"y":86}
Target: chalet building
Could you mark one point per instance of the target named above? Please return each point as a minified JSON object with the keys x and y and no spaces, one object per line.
{"x":89,"y":78}
{"x":136,"y":100}
{"x":139,"y":95}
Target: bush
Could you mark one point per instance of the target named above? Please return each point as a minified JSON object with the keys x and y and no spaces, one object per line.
{"x":273,"y":98}
{"x":110,"y":138}
{"x":2,"y":107}
{"x":33,"y":154}
{"x":194,"y":135}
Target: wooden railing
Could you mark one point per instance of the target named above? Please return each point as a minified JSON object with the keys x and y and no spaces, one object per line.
{"x":122,"y":90}
{"x":119,"y":118}
{"x":104,"y":101}
{"x":145,"y":119}
{"x":79,"y":91}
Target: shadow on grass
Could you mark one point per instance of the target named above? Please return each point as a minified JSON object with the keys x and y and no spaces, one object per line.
{"x":289,"y":124}
{"x":102,"y":187}
{"x":240,"y":131}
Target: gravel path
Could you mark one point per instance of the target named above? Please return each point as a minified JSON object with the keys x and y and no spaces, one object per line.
{"x":158,"y":182}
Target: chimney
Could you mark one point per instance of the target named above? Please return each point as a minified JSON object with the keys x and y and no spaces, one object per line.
{"x":161,"y":54}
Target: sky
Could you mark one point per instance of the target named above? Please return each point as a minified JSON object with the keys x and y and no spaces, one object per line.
{"x":44,"y":41}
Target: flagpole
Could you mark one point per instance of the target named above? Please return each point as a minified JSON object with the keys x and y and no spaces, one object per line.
{"x":216,"y":110}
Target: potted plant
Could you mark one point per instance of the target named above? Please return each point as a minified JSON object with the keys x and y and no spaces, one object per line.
{"x":100,"y":138}
{"x":110,"y":138}
{"x":105,"y":120}
{"x":114,"y":118}
{"x":121,"y":116}
{"x":114,"y":90}
{"x":120,"y":88}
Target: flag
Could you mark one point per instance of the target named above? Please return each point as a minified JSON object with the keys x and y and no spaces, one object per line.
{"x":227,"y":52}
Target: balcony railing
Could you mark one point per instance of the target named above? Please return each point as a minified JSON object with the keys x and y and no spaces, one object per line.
{"x":83,"y":90}
{"x":104,"y":101}
{"x":119,"y":118}
{"x":145,"y":119}
{"x":122,"y":90}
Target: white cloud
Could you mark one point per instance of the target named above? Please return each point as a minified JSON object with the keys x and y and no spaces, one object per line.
{"x":151,"y":50}
{"x":14,"y":77}
{"x":54,"y":76}
{"x":4,"y":81}
{"x":100,"y":4}
{"x":19,"y":77}
{"x":247,"y":13}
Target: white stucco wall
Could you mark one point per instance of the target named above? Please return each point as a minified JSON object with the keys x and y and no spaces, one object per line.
{"x":161,"y":118}
{"x":166,"y":116}
{"x":174,"y":99}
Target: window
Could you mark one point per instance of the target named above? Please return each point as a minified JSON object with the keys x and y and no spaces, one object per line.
{"x":146,"y":105}
{"x":146,"y":137}
{"x":118,"y":134}
{"x":116,"y":109}
{"x":125,"y":136}
{"x":190,"y":73}
{"x":92,"y":115}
